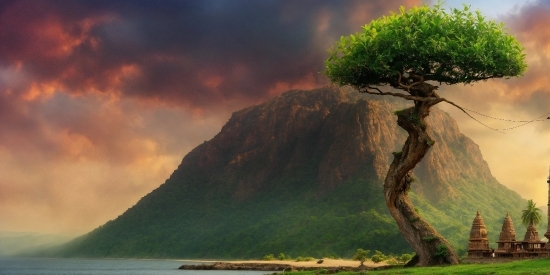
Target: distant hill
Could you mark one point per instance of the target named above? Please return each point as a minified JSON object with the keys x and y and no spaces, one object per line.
{"x":302,"y":174}
{"x":14,"y":243}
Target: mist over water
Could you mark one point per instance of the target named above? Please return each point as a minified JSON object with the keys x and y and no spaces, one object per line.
{"x":39,"y":266}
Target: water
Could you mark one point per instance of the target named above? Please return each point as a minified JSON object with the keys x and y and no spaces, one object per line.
{"x":25,"y":266}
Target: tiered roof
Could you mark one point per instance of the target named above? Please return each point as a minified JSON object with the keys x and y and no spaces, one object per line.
{"x":532,"y":235}
{"x":508,"y":233}
{"x":478,"y":235}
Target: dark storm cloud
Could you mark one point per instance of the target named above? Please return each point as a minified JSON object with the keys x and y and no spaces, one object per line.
{"x":196,"y":53}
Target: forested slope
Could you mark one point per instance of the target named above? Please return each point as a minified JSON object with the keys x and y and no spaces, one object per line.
{"x":302,"y":174}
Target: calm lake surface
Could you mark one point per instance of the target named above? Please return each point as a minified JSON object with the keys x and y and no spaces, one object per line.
{"x":25,"y":266}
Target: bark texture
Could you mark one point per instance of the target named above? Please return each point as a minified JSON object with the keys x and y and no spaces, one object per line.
{"x":430,"y":247}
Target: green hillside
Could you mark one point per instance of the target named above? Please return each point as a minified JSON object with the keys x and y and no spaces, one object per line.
{"x":302,"y":174}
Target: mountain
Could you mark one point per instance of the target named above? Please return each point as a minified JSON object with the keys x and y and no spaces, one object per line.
{"x":302,"y":174}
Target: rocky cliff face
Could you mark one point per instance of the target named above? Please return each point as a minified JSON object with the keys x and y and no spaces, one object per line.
{"x":346,"y":133}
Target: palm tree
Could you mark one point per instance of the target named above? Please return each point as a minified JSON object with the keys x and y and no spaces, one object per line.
{"x":531,"y":214}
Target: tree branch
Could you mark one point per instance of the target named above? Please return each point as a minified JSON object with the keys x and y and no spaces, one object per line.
{"x":408,"y":87}
{"x":464,"y":111}
{"x":408,"y":97}
{"x":431,"y":101}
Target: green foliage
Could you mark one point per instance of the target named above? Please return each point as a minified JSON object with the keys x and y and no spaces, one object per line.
{"x":268,"y":257}
{"x":378,"y":257}
{"x":361,"y":255}
{"x":282,"y":256}
{"x":304,"y":259}
{"x":534,"y":267}
{"x":430,"y":238}
{"x":531,"y":214}
{"x":457,"y":46}
{"x":404,"y":258}
{"x":298,"y":223}
{"x":442,"y":251}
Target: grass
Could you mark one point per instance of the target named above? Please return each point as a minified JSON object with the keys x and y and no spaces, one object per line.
{"x":538,"y":266}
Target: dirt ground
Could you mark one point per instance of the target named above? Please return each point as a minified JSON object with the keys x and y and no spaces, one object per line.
{"x":326,"y":263}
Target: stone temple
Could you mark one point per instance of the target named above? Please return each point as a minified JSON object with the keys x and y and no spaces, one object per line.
{"x":508,"y":246}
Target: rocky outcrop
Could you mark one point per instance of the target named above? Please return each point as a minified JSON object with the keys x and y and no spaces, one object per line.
{"x":345,"y":132}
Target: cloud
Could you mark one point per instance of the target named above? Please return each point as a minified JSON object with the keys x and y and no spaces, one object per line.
{"x":100,"y":100}
{"x":197,"y":54}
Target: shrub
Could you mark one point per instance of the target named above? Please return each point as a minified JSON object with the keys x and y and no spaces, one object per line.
{"x":378,"y":257}
{"x":304,"y":259}
{"x":361,"y":255}
{"x":404,"y":258}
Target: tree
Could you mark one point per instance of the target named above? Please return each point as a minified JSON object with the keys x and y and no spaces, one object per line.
{"x":378,"y":257}
{"x":361,"y":255}
{"x":409,"y":51}
{"x":531,"y":214}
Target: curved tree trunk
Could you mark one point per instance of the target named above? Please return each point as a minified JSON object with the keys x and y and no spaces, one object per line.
{"x":430,"y":247}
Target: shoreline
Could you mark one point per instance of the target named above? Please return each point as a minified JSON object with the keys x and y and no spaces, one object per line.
{"x":278,"y":265}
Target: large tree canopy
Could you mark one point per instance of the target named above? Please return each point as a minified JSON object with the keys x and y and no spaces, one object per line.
{"x":459,"y":46}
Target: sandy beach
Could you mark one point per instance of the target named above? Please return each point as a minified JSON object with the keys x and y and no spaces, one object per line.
{"x":326,"y":263}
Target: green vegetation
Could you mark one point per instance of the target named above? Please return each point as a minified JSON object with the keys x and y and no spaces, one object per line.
{"x":361,"y":255}
{"x":304,"y":259}
{"x":442,"y":251}
{"x":531,"y":214}
{"x":291,"y":219}
{"x":404,"y":258}
{"x":378,"y":256}
{"x":297,"y":224}
{"x":459,"y":46}
{"x":430,"y":238}
{"x":534,"y":267}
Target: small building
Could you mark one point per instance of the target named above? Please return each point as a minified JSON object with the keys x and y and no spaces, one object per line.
{"x":507,"y":246}
{"x":478,"y":246}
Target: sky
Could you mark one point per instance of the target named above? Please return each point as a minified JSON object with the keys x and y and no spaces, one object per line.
{"x":100,"y":100}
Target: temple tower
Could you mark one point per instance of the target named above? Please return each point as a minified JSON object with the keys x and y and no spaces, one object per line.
{"x":531,"y":235}
{"x":508,"y":233}
{"x":478,"y":246}
{"x":507,"y":240}
{"x":547,"y":234}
